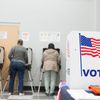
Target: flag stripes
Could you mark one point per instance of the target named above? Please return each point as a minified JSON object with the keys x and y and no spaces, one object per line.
{"x":90,"y":46}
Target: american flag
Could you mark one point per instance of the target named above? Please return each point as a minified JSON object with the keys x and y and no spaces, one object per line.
{"x":90,"y":46}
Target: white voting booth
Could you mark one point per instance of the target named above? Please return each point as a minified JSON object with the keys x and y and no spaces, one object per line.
{"x":83,"y":59}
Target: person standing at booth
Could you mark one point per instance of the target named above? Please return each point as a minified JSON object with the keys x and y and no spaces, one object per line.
{"x":18,"y":59}
{"x":51,"y":62}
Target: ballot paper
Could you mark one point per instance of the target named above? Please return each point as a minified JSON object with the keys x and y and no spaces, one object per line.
{"x":82,"y":95}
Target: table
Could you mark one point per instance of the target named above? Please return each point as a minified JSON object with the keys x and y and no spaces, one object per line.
{"x":76,"y":94}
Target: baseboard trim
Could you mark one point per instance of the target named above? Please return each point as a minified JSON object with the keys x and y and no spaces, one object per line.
{"x":42,"y":89}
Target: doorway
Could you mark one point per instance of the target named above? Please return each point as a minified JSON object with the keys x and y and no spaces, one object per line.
{"x":9,"y":34}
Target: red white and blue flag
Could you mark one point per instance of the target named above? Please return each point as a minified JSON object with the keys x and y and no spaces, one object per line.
{"x":90,"y":46}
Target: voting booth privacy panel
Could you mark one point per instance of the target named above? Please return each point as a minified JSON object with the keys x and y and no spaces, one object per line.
{"x":2,"y":55}
{"x":83,"y":59}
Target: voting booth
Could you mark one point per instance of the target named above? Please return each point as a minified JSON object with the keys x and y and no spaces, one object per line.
{"x":2,"y":56}
{"x":83,"y":59}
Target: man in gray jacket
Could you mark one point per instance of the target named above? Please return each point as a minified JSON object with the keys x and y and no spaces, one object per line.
{"x":51,"y":61}
{"x":18,"y":59}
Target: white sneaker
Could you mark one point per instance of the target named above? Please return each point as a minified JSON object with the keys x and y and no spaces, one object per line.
{"x":10,"y":93}
{"x":21,"y":94}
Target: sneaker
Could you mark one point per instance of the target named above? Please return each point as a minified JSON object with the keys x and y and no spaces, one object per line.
{"x":21,"y":94}
{"x":10,"y":93}
{"x":47,"y":94}
{"x":52,"y":94}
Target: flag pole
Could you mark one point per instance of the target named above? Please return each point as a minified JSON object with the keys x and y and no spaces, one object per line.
{"x":80,"y":54}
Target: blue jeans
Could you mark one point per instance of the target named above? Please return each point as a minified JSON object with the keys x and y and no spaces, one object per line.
{"x":14,"y":68}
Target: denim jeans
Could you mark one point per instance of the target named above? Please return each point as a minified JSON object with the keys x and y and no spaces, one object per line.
{"x":16,"y":67}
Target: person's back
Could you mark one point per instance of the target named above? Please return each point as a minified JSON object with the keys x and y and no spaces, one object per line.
{"x":50,"y":57}
{"x":19,"y":54}
{"x":19,"y":58}
{"x":50,"y":62}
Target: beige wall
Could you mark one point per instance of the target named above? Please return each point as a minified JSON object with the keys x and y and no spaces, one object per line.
{"x":12,"y":37}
